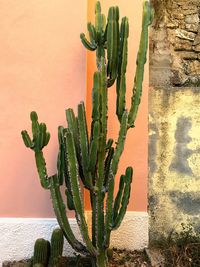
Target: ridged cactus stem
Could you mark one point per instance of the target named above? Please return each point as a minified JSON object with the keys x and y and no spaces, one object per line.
{"x":76,"y":194}
{"x":121,"y":79}
{"x":57,"y":241}
{"x":101,"y":157}
{"x":60,"y":211}
{"x":113,"y":170}
{"x":41,"y":167}
{"x":41,"y":252}
{"x":141,"y":60}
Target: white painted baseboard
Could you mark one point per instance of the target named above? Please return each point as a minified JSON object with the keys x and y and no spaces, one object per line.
{"x":19,"y":234}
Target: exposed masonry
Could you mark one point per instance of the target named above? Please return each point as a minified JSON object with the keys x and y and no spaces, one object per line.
{"x":175,"y":43}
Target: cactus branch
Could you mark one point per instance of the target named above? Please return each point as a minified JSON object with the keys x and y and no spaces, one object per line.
{"x":141,"y":60}
{"x":60,"y":211}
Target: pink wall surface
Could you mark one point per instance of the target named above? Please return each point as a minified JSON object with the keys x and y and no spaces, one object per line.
{"x":135,"y":153}
{"x":42,"y":68}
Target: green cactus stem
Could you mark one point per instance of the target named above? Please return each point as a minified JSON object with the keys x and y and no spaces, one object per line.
{"x":121,"y":79}
{"x":60,"y":211}
{"x":57,"y":241}
{"x":119,"y":212}
{"x":141,"y":60}
{"x":41,"y":252}
{"x":112,"y":44}
{"x":91,"y":162}
{"x":78,"y":202}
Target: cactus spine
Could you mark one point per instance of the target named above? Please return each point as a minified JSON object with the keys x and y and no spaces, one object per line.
{"x":93,"y":160}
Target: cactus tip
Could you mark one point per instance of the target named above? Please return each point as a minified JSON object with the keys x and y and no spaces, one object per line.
{"x":34,"y":116}
{"x":98,"y":7}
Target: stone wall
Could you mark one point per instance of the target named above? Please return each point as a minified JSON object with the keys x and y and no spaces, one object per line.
{"x":174,"y":117}
{"x":175,"y":43}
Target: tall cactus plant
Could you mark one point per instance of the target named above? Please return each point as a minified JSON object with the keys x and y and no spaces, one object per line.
{"x":92,"y":160}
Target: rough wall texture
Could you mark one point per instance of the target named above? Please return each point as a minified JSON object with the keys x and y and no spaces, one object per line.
{"x":18,"y":235}
{"x":174,"y":157}
{"x":175,"y":45}
{"x":174,"y":124}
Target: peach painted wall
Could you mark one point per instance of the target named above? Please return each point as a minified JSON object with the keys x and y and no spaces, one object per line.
{"x":135,"y":153}
{"x":42,"y":68}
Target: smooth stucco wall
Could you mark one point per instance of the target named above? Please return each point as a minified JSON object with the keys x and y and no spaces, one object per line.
{"x":42,"y":68}
{"x":135,"y":153}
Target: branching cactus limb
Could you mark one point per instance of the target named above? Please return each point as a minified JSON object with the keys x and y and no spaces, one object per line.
{"x":91,"y":162}
{"x":148,"y":13}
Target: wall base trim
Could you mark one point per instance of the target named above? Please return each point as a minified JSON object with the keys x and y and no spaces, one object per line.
{"x":19,"y":234}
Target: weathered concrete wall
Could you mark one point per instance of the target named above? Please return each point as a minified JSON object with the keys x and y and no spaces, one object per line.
{"x":175,"y":46}
{"x":174,"y":117}
{"x":174,"y":159}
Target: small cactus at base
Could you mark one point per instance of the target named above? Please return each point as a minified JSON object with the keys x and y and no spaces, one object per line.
{"x":46,"y":253}
{"x":41,"y":252}
{"x":57,"y":241}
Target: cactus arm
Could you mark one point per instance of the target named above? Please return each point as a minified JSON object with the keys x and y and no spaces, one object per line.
{"x":47,"y":138}
{"x":70,"y":203}
{"x":118,"y":197}
{"x":98,"y":21}
{"x":121,"y":79}
{"x":84,"y":145}
{"x":104,"y":100}
{"x":73,"y":127}
{"x":41,"y":168}
{"x":63,"y":168}
{"x":93,"y":205}
{"x":27,"y":140}
{"x":125,"y":198}
{"x":141,"y":60}
{"x":61,"y":156}
{"x":72,"y":122}
{"x":96,"y":98}
{"x":101,"y":155}
{"x":112,"y":173}
{"x":120,"y":143}
{"x":92,"y":33}
{"x":42,"y":134}
{"x":107,"y":166}
{"x":100,"y":27}
{"x":40,"y":139}
{"x":60,"y":211}
{"x":112,"y":43}
{"x":94,"y":148}
{"x":76,"y":194}
{"x":35,"y":127}
{"x":100,"y":195}
{"x":87,"y":44}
